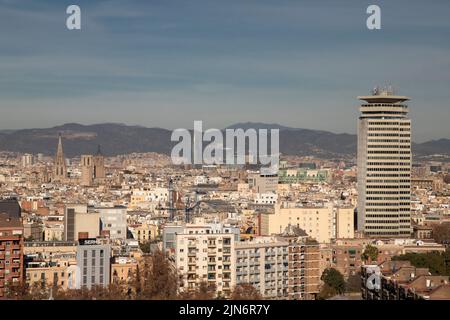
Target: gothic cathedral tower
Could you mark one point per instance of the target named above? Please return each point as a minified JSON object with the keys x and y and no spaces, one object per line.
{"x":60,"y":169}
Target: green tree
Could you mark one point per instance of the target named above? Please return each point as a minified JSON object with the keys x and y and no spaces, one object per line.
{"x":370,"y":253}
{"x":145,"y":247}
{"x":437,"y":262}
{"x":333,"y":279}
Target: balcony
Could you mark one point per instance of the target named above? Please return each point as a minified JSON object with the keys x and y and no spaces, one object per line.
{"x":191,"y":254}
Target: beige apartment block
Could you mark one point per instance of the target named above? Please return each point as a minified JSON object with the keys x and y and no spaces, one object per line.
{"x":57,"y":275}
{"x":144,"y":232}
{"x":345,"y":223}
{"x":322,"y":223}
{"x":79,"y":223}
{"x":317,"y":222}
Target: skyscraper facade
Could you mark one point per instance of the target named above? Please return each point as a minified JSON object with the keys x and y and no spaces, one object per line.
{"x":384,"y":165}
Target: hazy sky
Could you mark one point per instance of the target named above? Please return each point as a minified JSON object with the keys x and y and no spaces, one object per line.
{"x":167,"y":63}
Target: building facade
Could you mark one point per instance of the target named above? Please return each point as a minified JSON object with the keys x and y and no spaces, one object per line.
{"x":205,"y":253}
{"x":113,"y":220}
{"x":384,"y":165}
{"x":94,"y":262}
{"x":11,"y":251}
{"x":263,"y":263}
{"x":79,"y":223}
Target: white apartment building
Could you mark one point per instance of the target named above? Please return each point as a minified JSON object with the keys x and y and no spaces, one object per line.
{"x":263,"y":262}
{"x":266,"y":198}
{"x":148,"y":197}
{"x":205,"y":253}
{"x":384,"y":165}
{"x":113,"y":220}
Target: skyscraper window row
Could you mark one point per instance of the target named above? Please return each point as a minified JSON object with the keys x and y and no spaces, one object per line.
{"x":387,"y":152}
{"x":388,"y":163}
{"x":387,"y":204}
{"x":388,"y":146}
{"x":388,"y":192}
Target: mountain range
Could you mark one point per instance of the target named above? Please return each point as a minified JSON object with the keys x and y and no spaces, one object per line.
{"x":116,"y":138}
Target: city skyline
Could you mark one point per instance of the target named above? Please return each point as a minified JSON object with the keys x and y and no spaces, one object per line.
{"x":166,"y":64}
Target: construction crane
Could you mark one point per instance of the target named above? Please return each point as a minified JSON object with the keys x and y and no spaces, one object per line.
{"x":188,"y":208}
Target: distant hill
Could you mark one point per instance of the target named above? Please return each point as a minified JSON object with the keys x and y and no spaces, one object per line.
{"x":83,"y":139}
{"x":116,"y":138}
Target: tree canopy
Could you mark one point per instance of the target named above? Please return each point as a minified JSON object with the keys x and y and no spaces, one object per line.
{"x":437,"y":262}
{"x":334,"y":283}
{"x":370,"y":253}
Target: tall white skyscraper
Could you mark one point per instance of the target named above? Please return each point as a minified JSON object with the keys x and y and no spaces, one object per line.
{"x":384,"y":165}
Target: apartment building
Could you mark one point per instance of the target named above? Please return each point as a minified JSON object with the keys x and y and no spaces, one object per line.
{"x":263,"y":262}
{"x":51,"y":275}
{"x":113,"y":220}
{"x":123,"y":269}
{"x":263,"y":183}
{"x":11,"y":251}
{"x":79,"y":223}
{"x":321,"y":222}
{"x":93,"y":259}
{"x":144,"y":232}
{"x":304,"y":264}
{"x":148,"y":197}
{"x":206,"y":253}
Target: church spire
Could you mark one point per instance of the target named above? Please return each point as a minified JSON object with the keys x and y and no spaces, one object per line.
{"x":60,"y":169}
{"x":59,"y":152}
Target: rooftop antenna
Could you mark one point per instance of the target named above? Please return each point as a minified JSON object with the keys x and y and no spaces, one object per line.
{"x":376,"y":91}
